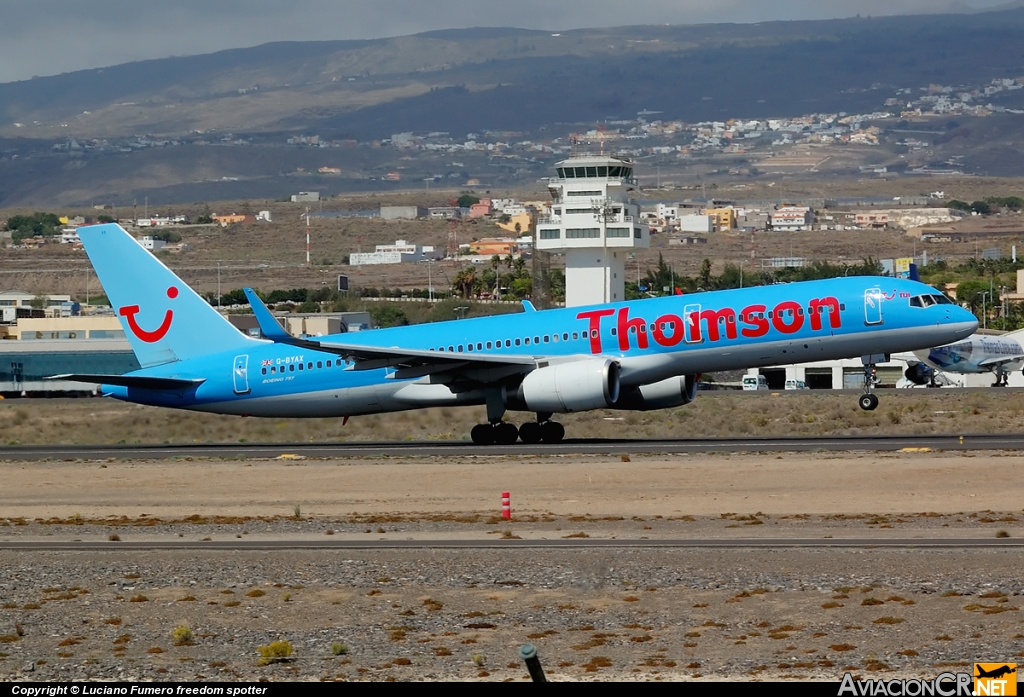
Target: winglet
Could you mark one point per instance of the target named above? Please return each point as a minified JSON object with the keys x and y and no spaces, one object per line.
{"x":270,"y":327}
{"x":528,"y":306}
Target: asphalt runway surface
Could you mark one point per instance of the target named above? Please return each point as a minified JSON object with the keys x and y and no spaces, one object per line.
{"x":1006,"y":441}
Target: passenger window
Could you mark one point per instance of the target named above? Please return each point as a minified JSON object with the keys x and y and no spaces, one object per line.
{"x":291,"y":368}
{"x":460,"y":348}
{"x":469,"y":347}
{"x":273,"y":369}
{"x":517,"y":342}
{"x":329,"y":363}
{"x":309,"y":366}
{"x":300,"y":366}
{"x":613,"y":331}
{"x":554,"y":337}
{"x":488,"y":345}
{"x":479,"y":346}
{"x":547,"y":339}
{"x":527,"y":340}
{"x":451,"y":349}
{"x":319,"y":364}
{"x":593,"y":333}
{"x":565,"y":336}
{"x":536,"y":339}
{"x":508,"y":342}
{"x":574,"y":336}
{"x":842,"y":307}
{"x":264,"y":371}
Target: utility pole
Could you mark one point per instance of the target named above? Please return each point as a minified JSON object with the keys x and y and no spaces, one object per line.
{"x":307,"y":236}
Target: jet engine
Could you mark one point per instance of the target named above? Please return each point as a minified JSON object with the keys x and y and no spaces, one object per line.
{"x":674,"y":392}
{"x":919,"y":374}
{"x":567,"y":387}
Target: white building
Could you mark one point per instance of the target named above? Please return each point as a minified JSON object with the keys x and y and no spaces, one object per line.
{"x":695,"y":223}
{"x":595,"y":222}
{"x":792,"y":219}
{"x":152,"y":243}
{"x":401,"y":252}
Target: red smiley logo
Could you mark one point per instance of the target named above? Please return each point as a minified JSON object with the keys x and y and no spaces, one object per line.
{"x":129,"y":312}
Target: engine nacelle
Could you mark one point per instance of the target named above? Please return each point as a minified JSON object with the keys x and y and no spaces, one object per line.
{"x":566,"y":387}
{"x":674,"y":392}
{"x":919,"y":374}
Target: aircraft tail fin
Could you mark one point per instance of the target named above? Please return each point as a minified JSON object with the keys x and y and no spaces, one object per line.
{"x":163,"y":319}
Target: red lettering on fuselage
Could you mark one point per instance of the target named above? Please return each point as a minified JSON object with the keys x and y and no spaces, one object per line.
{"x":594,"y":330}
{"x":715,"y":318}
{"x":636,"y":324}
{"x":790,"y":311}
{"x":816,"y":306}
{"x":672,"y":323}
{"x":752,"y":322}
{"x":754,"y":316}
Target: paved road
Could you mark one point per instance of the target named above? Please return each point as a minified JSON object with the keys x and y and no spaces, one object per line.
{"x":568,"y":447}
{"x":560,"y":543}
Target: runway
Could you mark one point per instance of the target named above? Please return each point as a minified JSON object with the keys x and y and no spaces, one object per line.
{"x":461,"y":448}
{"x":539,"y":544}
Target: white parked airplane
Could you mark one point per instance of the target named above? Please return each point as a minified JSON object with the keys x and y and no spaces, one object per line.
{"x":979,"y":353}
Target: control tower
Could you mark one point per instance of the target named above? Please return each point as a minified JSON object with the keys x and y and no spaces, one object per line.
{"x":595,"y":222}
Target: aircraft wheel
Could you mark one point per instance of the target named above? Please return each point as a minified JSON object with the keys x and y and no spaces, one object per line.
{"x":552,"y":432}
{"x":482,"y":434}
{"x":530,"y":432}
{"x":868,"y":402}
{"x":505,"y":433}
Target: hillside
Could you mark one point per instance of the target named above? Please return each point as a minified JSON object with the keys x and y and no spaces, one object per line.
{"x":533,"y":85}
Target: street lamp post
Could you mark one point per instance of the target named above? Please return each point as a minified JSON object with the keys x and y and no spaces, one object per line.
{"x":984,"y":313}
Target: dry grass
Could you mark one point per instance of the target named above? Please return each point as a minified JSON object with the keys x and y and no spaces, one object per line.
{"x":99,"y":421}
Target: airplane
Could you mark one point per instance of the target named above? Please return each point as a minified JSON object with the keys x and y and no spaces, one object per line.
{"x":979,"y":353}
{"x":634,"y":355}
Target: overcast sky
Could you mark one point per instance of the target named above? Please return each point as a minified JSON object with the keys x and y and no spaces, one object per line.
{"x":46,"y":37}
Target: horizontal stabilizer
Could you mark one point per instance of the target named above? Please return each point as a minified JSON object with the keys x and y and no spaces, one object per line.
{"x":139,"y":381}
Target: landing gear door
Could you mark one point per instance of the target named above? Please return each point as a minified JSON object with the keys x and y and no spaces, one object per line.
{"x":691,"y":324}
{"x":873,"y":306}
{"x":241,"y":374}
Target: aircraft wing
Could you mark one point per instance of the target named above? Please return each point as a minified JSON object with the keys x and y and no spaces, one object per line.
{"x":1001,"y":360}
{"x":144,"y":382}
{"x":411,"y":362}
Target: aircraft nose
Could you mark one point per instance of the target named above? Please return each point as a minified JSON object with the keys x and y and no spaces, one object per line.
{"x":963,"y":322}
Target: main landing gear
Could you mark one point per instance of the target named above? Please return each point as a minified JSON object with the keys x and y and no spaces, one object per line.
{"x":869,"y":400}
{"x":501,"y":432}
{"x":1002,"y":379}
{"x":505,"y":433}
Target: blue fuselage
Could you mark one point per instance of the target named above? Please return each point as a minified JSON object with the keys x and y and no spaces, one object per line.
{"x":651,"y":340}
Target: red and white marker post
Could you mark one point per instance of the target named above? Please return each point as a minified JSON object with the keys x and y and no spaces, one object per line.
{"x":506,"y":505}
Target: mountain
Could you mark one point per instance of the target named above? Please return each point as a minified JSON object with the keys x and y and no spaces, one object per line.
{"x":470,"y":81}
{"x":497,"y":77}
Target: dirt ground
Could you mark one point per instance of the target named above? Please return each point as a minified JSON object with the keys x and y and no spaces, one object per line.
{"x":425,"y":614}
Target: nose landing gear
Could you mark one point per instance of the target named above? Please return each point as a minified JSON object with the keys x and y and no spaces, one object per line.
{"x":869,"y":400}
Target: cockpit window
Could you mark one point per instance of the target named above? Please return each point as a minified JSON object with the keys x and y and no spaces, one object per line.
{"x":929,"y":300}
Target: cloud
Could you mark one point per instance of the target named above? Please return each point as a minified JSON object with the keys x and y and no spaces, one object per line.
{"x":46,"y":37}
